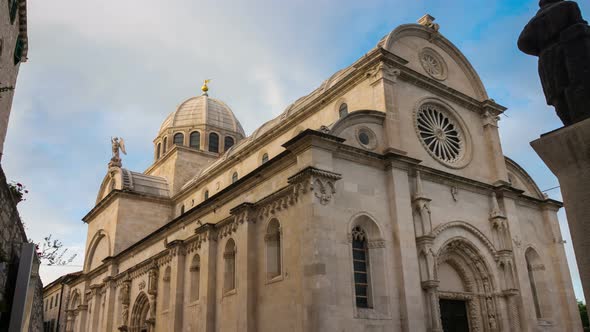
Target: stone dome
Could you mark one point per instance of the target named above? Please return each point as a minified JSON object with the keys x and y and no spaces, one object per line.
{"x":203,"y":110}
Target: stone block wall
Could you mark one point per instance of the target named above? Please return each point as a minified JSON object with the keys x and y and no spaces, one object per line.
{"x":12,"y":236}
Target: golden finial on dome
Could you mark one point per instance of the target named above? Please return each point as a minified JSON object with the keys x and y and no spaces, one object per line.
{"x":205,"y":88}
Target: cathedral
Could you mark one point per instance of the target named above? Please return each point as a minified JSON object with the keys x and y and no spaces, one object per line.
{"x":381,"y":201}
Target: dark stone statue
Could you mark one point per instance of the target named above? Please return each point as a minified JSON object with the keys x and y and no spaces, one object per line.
{"x":560,"y":37}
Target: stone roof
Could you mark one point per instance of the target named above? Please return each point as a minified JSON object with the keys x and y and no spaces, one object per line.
{"x":203,"y":110}
{"x":144,"y":184}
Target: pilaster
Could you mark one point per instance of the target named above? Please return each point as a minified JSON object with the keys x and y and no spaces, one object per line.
{"x":490,"y":119}
{"x":247,"y":255}
{"x":177,"y":263}
{"x":405,"y":250}
{"x":384,"y":80}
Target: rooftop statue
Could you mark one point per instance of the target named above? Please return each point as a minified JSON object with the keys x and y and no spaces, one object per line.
{"x":560,"y":37}
{"x":117,"y":144}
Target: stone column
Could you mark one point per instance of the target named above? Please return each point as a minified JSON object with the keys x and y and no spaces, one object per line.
{"x":152,"y":293}
{"x":431,"y":287}
{"x":125,"y":301}
{"x":565,"y":151}
{"x":69,"y":320}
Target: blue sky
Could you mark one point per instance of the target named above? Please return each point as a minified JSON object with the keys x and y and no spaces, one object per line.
{"x":116,"y":68}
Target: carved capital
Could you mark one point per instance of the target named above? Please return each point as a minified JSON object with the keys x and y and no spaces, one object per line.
{"x":430,"y":284}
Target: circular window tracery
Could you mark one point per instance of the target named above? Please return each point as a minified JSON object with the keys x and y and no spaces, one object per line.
{"x":433,"y":64}
{"x":440,"y":134}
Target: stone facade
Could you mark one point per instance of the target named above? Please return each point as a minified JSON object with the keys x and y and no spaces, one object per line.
{"x":371,"y":204}
{"x":13,"y":51}
{"x":54,"y":313}
{"x":12,"y":237}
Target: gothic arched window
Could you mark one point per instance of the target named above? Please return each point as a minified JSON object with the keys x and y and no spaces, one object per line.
{"x":234,"y":177}
{"x":360,"y":262}
{"x":343,"y":110}
{"x":164,"y":145}
{"x":273,"y":249}
{"x":166,"y":288}
{"x":228,"y":142}
{"x":264,"y":158}
{"x":213,"y":142}
{"x":195,"y":271}
{"x":195,"y":140}
{"x":179,"y":139}
{"x":229,"y":257}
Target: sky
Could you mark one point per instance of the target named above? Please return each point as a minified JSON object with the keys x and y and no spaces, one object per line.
{"x":106,"y":68}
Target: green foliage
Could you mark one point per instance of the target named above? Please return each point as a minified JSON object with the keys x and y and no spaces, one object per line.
{"x":584,"y":315}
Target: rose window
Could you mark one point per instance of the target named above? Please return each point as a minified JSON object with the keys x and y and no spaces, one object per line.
{"x":433,"y":64}
{"x":440,"y":134}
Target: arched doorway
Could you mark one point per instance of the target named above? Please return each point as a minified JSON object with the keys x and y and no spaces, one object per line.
{"x":139,"y":314}
{"x":466,"y":289}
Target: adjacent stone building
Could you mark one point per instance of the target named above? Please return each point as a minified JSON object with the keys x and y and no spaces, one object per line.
{"x":13,"y":51}
{"x":17,"y":311}
{"x":54,"y":316}
{"x":381,"y":201}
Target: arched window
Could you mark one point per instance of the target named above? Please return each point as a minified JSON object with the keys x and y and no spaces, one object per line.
{"x":195,"y":140}
{"x":228,"y":142}
{"x":206,"y":195}
{"x":264,"y":158}
{"x":273,"y":249}
{"x":182,"y":209}
{"x":343,"y":110}
{"x":360,"y":261}
{"x":158,"y":151}
{"x":179,"y":139}
{"x":165,"y":145}
{"x":234,"y":177}
{"x":166,"y":288}
{"x":535,"y":271}
{"x":213,"y":142}
{"x":195,"y":270}
{"x":229,"y":257}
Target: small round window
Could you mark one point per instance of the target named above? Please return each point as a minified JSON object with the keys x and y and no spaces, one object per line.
{"x":366,"y":138}
{"x":440,"y":134}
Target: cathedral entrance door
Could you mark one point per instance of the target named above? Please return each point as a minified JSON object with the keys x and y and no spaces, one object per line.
{"x":453,"y":314}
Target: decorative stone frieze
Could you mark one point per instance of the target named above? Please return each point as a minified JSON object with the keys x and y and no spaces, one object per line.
{"x":318,"y":181}
{"x":383,"y":71}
